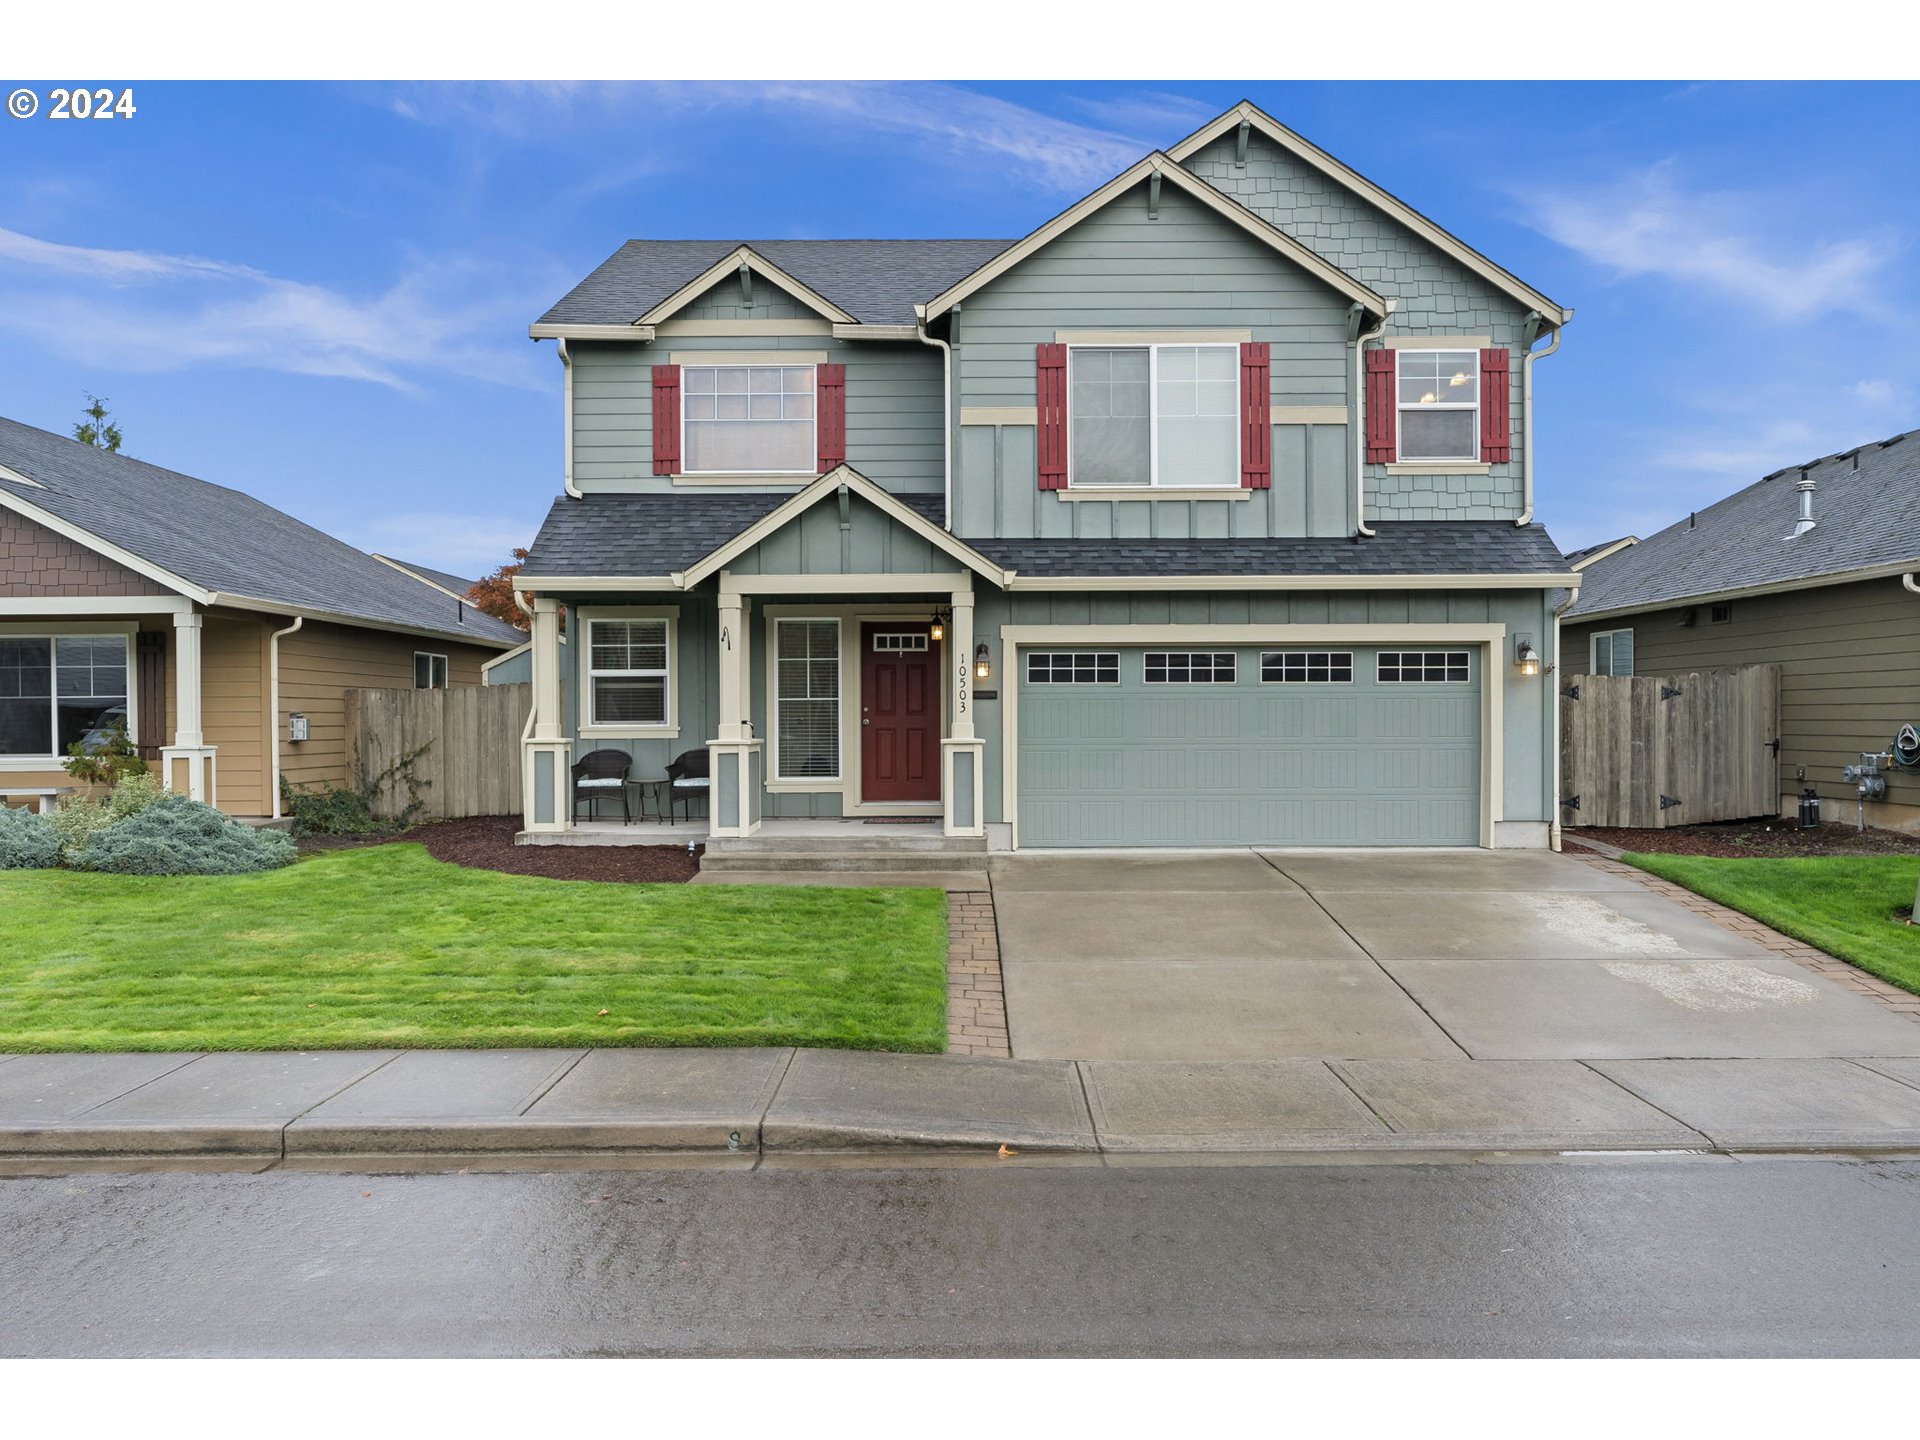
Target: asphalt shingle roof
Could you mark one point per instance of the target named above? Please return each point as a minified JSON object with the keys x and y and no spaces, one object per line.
{"x":877,"y":281}
{"x":1866,"y":508}
{"x":610,"y":535}
{"x":458,"y":584}
{"x":222,"y":540}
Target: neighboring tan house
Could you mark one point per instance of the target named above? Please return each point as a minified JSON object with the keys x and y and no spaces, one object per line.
{"x":1812,"y":569}
{"x":1202,"y":515}
{"x":185,"y":608}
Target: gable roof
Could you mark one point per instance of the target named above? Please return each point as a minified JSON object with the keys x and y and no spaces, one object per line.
{"x":217,"y":545}
{"x":1305,"y":150}
{"x":441,"y":580}
{"x":877,"y":282}
{"x":1164,"y":166}
{"x":728,"y":265}
{"x":1866,"y":510}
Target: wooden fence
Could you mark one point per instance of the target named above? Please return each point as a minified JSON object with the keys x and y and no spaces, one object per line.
{"x":471,"y":765}
{"x":1650,"y":752}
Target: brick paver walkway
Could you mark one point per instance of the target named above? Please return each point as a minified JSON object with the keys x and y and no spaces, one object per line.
{"x":1900,"y":1001}
{"x":976,"y":1005}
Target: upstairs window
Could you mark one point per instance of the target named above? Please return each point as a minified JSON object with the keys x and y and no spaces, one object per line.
{"x":1154,"y":415}
{"x":1439,"y":405}
{"x":748,"y":419}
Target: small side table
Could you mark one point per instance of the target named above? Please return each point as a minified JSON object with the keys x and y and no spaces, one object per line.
{"x":657,"y":791}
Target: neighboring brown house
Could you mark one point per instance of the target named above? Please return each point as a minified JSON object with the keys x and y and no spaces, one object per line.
{"x":204,"y":619}
{"x":1814,"y":569}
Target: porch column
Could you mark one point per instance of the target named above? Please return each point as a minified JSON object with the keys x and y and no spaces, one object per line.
{"x":188,"y":763}
{"x":733,"y":755}
{"x":546,"y":789}
{"x":961,"y":753}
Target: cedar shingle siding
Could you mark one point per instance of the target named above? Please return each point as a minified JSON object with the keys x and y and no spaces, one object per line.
{"x":36,"y":561}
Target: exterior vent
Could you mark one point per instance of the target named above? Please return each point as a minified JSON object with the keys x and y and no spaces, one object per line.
{"x":1805,"y":488}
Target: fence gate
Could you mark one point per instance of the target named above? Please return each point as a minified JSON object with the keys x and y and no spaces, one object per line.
{"x":471,"y":764}
{"x":1647,"y":752}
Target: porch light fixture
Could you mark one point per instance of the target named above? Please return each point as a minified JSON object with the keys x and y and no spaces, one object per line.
{"x":982,"y":666}
{"x":939,"y":630}
{"x":1525,"y":656}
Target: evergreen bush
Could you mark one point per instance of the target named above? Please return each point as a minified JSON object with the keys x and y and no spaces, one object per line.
{"x":27,"y":840}
{"x":178,"y":836}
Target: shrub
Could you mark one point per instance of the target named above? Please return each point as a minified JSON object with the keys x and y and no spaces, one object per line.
{"x":329,"y":812}
{"x":178,"y":836}
{"x":111,"y":758}
{"x":27,"y":840}
{"x":82,"y":817}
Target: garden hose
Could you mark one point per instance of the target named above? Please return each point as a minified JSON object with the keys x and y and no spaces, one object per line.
{"x":1906,"y":748}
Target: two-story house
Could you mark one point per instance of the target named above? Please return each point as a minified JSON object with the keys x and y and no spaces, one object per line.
{"x":1202,"y":515}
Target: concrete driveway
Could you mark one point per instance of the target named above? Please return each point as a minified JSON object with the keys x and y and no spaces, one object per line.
{"x":1395,"y":956}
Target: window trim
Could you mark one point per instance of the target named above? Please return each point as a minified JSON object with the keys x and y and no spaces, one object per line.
{"x":583,"y":688}
{"x":1380,"y":657}
{"x":31,"y":630}
{"x":1593,"y":650}
{"x":807,"y":782}
{"x":1353,"y":669}
{"x":1026,"y":675}
{"x":813,"y":465}
{"x":1154,"y":483}
{"x":446,"y":670}
{"x":1720,"y":612}
{"x":1232,"y":658}
{"x":1400,"y":409}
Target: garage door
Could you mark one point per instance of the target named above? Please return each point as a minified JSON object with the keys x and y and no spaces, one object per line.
{"x":1261,"y":745}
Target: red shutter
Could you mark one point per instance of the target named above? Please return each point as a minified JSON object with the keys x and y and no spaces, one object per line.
{"x":1381,"y":407}
{"x":1051,"y":434}
{"x":831,"y":382}
{"x":1256,"y":417}
{"x":666,"y":419}
{"x":1495,"y":436}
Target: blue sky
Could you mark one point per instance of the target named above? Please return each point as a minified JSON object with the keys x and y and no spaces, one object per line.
{"x":319,"y":293}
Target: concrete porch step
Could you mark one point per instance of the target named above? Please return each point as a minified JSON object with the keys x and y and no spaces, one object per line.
{"x":858,"y":840}
{"x":828,"y":861}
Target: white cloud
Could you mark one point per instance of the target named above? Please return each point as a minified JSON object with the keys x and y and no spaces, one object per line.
{"x":1647,"y":225}
{"x":1059,"y":154}
{"x":144,"y":311}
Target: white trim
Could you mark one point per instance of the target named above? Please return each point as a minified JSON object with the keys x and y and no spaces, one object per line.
{"x":799,"y":784}
{"x":8,"y":473}
{"x":999,"y":414}
{"x":126,"y":629}
{"x":1309,"y":415}
{"x":597,"y":582}
{"x":57,"y":605}
{"x":1154,"y":492}
{"x":413,"y":574}
{"x":857,"y":331}
{"x":804,"y":472}
{"x":446,"y":666}
{"x":711,"y":481}
{"x":1593,"y":650}
{"x":1429,"y":464}
{"x":1585,"y":561}
{"x":90,"y":541}
{"x":745,"y":357}
{"x":1154,"y":484}
{"x":855,"y":584}
{"x":1437,"y":342}
{"x":587,"y":729}
{"x":1438,"y":467}
{"x":628,"y":334}
{"x":827,"y":485}
{"x":1170,"y":169}
{"x":730,"y":264}
{"x":1394,"y":207}
{"x":1491,"y":637}
{"x":1555,"y":581}
{"x":739,"y":329}
{"x":1152,"y":337}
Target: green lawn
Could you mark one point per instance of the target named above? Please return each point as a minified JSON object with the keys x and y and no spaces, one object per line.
{"x":388,"y":947}
{"x":1843,"y":904}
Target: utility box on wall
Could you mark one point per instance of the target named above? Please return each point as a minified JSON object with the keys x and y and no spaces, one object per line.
{"x":296,"y":727}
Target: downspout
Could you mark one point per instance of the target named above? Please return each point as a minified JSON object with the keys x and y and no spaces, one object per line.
{"x":1908,"y":581}
{"x":946,"y":412}
{"x":1526,"y":426}
{"x":566,"y":439}
{"x":273,"y":704}
{"x":1553,"y":719}
{"x":1360,"y":339}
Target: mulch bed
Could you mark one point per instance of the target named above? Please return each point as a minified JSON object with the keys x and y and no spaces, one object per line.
{"x":486,"y":843}
{"x":1755,"y":839}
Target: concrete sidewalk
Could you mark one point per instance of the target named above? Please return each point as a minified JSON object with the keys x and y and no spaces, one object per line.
{"x":447,"y":1108}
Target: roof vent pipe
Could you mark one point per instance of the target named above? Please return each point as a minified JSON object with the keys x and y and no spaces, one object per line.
{"x":1806,"y":488}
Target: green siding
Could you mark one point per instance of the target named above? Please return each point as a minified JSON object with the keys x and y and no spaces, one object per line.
{"x":725,"y":302}
{"x":868,"y":543}
{"x":1437,"y":296}
{"x":1849,"y":676}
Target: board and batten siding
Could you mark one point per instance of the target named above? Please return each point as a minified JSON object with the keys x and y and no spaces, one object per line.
{"x":319,"y":663}
{"x":1121,"y":269}
{"x":1849,"y":657}
{"x":1436,"y":295}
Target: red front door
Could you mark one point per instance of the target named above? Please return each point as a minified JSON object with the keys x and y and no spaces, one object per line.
{"x":899,"y":713}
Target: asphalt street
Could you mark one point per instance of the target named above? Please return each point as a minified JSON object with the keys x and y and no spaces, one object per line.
{"x":1643,"y":1256}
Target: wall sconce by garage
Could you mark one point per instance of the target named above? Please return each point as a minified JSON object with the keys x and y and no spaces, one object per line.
{"x":1525,"y":657}
{"x":296,"y":727}
{"x":941,"y":614}
{"x":982,"y":665}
